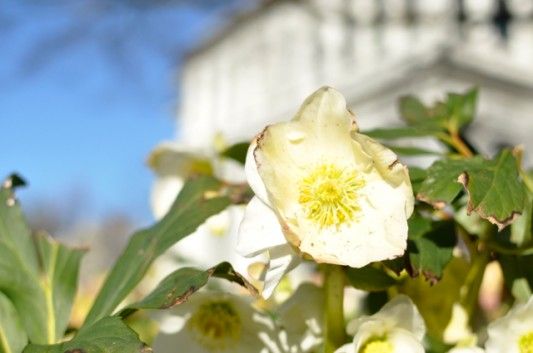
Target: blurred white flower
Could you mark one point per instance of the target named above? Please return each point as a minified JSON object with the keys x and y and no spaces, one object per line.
{"x":396,"y":328}
{"x":323,"y":190}
{"x":300,"y":319}
{"x":512,"y":333}
{"x":217,"y":322}
{"x":458,"y":329}
{"x":215,"y":240}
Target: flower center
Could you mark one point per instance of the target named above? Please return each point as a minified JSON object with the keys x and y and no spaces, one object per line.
{"x":377,"y":345}
{"x":215,"y":325}
{"x":328,"y":195}
{"x":525,"y":343}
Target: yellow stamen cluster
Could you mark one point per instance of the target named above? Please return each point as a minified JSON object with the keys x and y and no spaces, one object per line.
{"x":525,"y":343}
{"x":328,"y":195}
{"x":377,"y":345}
{"x":216,"y":325}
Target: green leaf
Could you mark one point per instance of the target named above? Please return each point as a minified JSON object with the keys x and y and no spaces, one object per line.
{"x":13,"y":337}
{"x":417,"y":176}
{"x":462,"y":108}
{"x":518,"y":275}
{"x":522,"y":227}
{"x":37,"y":274}
{"x":495,"y":190}
{"x":412,"y":151}
{"x":59,"y":277}
{"x":236,"y":152}
{"x":108,"y":335}
{"x":435,"y":300}
{"x":402,"y":132}
{"x":436,"y":345}
{"x":441,"y":186}
{"x":430,"y":246}
{"x":369,"y":278}
{"x":412,"y":110}
{"x":199,"y":199}
{"x":452,"y":114}
{"x":177,"y":287}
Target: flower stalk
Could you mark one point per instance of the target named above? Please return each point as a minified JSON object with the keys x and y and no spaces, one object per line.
{"x":469,"y":299}
{"x":334,"y":332}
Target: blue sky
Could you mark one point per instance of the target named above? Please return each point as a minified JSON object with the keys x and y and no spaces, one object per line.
{"x":85,"y":114}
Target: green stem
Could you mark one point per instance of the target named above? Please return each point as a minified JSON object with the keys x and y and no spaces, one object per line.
{"x":334,"y":328}
{"x":454,"y":139}
{"x":474,"y":277}
{"x":527,"y":180}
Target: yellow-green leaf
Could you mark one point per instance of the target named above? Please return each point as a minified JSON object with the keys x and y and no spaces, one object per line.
{"x":177,"y":287}
{"x":199,"y":199}
{"x":108,"y":335}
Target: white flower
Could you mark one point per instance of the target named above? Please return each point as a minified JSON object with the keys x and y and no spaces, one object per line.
{"x":512,"y":333}
{"x":458,"y":328}
{"x":173,"y":163}
{"x":323,"y":190}
{"x":300,"y":318}
{"x":217,"y":322}
{"x":215,"y":240}
{"x":396,"y":328}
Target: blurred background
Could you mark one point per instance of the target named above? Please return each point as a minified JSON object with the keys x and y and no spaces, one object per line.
{"x":88,"y":88}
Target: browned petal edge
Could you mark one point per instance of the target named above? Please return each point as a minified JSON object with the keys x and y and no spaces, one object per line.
{"x":353,"y":122}
{"x":258,"y":141}
{"x":291,"y":236}
{"x":394,"y":164}
{"x":500,"y":223}
{"x":437,"y":204}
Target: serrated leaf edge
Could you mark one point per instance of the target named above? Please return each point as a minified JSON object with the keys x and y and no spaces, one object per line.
{"x":500,"y":223}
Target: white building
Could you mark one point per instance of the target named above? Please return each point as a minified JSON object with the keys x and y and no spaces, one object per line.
{"x":264,"y":63}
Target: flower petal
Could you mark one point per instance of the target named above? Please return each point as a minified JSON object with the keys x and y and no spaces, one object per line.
{"x":173,"y":163}
{"x":252,"y":174}
{"x":302,"y":317}
{"x":259,"y":229}
{"x":388,"y":165}
{"x":255,"y":328}
{"x":379,"y":233}
{"x":399,"y":313}
{"x":170,"y":158}
{"x":164,"y":192}
{"x":505,"y":332}
{"x":405,"y":314}
{"x":466,"y":350}
{"x":325,"y":105}
{"x":282,"y":260}
{"x":405,"y":341}
{"x":285,"y":152}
